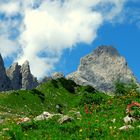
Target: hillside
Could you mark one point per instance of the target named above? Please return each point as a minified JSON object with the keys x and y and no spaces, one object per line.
{"x":91,"y":114}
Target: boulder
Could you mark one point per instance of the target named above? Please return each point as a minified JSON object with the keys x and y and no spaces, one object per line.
{"x":65,"y":119}
{"x":23,"y":120}
{"x":128,"y":119}
{"x":126,"y":127}
{"x":43,"y":116}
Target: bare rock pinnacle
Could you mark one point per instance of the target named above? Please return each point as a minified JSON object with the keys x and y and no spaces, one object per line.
{"x":4,"y":80}
{"x":102,"y":68}
{"x":28,"y":80}
{"x":13,"y":72}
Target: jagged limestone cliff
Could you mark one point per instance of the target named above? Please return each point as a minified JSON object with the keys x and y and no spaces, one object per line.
{"x":16,"y":77}
{"x":102,"y":68}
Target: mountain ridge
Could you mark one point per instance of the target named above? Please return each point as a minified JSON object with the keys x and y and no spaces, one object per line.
{"x":100,"y":69}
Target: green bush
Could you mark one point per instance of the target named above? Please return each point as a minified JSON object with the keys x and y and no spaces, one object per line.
{"x":90,"y":89}
{"x":69,"y":85}
{"x":120,"y":88}
{"x":125,"y":89}
{"x":89,"y":98}
{"x":39,"y":94}
{"x":54,"y":83}
{"x":136,"y":112}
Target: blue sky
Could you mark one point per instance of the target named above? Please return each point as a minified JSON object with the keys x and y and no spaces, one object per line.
{"x":54,"y":35}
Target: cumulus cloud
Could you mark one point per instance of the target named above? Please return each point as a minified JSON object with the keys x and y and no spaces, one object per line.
{"x":9,"y":8}
{"x":50,"y":26}
{"x":9,"y":26}
{"x":7,"y":47}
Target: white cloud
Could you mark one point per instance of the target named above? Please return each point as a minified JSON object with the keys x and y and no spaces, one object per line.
{"x":7,"y":47}
{"x":130,"y":14}
{"x":9,"y":25}
{"x":10,"y":8}
{"x":50,"y":26}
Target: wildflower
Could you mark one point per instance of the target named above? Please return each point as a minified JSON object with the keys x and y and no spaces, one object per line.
{"x":81,"y":130}
{"x":89,"y":123}
{"x":86,"y":109}
{"x":131,"y":105}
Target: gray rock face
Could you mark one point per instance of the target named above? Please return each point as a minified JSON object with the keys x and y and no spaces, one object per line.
{"x":45,"y":79}
{"x":57,"y":75}
{"x":13,"y":72}
{"x":16,"y":77}
{"x":54,"y":76}
{"x":102,"y":68}
{"x":21,"y":77}
{"x":4,"y":80}
{"x":28,"y":80}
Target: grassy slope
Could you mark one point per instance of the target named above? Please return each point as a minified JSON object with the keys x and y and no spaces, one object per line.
{"x":96,"y":124}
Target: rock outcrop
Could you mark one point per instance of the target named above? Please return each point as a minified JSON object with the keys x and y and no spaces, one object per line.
{"x":16,"y":77}
{"x":102,"y":68}
{"x":4,"y":80}
{"x":28,"y":80}
{"x":45,"y":79}
{"x":54,"y":76}
{"x":57,"y":75}
{"x":13,"y":72}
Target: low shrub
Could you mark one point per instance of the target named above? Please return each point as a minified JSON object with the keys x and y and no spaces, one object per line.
{"x":54,"y":83}
{"x":125,"y":89}
{"x":39,"y":94}
{"x":69,"y":85}
{"x":96,"y":98}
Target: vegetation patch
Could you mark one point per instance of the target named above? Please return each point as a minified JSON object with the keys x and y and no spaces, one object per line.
{"x":95,"y":114}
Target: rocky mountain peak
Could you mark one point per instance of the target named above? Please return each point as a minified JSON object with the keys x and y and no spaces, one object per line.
{"x":13,"y":72}
{"x":16,"y":77}
{"x":26,"y":63}
{"x":57,"y":75}
{"x":25,"y":67}
{"x":4,"y":80}
{"x":102,"y":68}
{"x":106,"y":50}
{"x":14,"y":67}
{"x":2,"y":68}
{"x":28,"y":80}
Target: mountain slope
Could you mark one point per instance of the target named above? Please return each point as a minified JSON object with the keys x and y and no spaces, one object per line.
{"x":92,"y":112}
